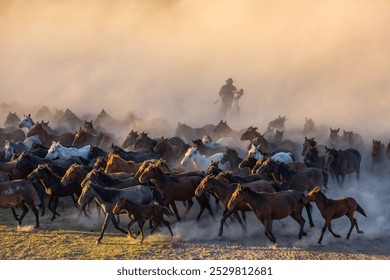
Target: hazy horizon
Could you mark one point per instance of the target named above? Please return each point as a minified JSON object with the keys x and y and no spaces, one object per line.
{"x":328,"y":61}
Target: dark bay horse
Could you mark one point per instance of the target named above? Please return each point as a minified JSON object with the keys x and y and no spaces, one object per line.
{"x":53,"y":187}
{"x":130,"y":140}
{"x":342,"y":162}
{"x":142,"y":213}
{"x":107,"y":198}
{"x":176,"y":188}
{"x":47,"y":138}
{"x":378,"y":158}
{"x":19,"y":193}
{"x":332,"y":209}
{"x":137,"y":156}
{"x":271,"y":206}
{"x":224,"y":191}
{"x":169,"y":151}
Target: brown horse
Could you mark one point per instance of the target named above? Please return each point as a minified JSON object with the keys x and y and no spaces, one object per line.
{"x":47,"y":138}
{"x":379,"y":158}
{"x":332,"y":209}
{"x":142,"y":213}
{"x":130,"y":139}
{"x":170,"y":152}
{"x":271,"y":206}
{"x":117,"y":164}
{"x":84,"y":137}
{"x":174,"y":187}
{"x":230,"y":155}
{"x":223,"y":191}
{"x":19,"y":193}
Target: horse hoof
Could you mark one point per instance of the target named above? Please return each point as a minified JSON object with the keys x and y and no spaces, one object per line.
{"x":360,"y":232}
{"x":220,"y":237}
{"x":337,"y":236}
{"x":98,"y":242}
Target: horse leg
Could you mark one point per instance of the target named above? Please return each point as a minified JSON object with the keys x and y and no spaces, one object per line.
{"x":242,"y":224}
{"x":167,"y":224}
{"x":190,"y":203}
{"x":243,"y":216}
{"x":128,"y":229}
{"x":357,"y":227}
{"x":36,"y":214}
{"x":173,"y":205}
{"x":115,"y":223}
{"x":227,"y":215}
{"x":14,"y":214}
{"x":25,"y":210}
{"x":268,"y":231}
{"x":74,"y":200}
{"x":55,"y":203}
{"x":105,"y":223}
{"x":141,"y":226}
{"x":204,"y":203}
{"x":309,"y":208}
{"x":331,"y":231}
{"x":301,"y":221}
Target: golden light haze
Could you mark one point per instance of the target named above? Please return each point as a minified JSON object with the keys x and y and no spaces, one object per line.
{"x":328,"y":60}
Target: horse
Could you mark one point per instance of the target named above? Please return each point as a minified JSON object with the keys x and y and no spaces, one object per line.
{"x":19,"y":193}
{"x":142,"y":213}
{"x":199,"y":161}
{"x":248,"y":162}
{"x":12,"y":119}
{"x":53,"y":187}
{"x":27,"y":122}
{"x":309,"y":127}
{"x":94,"y":153}
{"x":268,"y":147}
{"x":175,"y":187}
{"x":84,"y":137}
{"x":342,"y":162}
{"x":222,"y":129}
{"x":301,"y":180}
{"x":189,"y":133}
{"x":378,"y":157}
{"x":276,"y":155}
{"x":313,"y":158}
{"x":352,"y":139}
{"x":223,"y":191}
{"x":278,"y":123}
{"x":137,"y":156}
{"x":130,"y":139}
{"x":56,"y":150}
{"x":271,"y":206}
{"x":144,"y":142}
{"x":13,"y":149}
{"x":109,"y":180}
{"x":117,"y":164}
{"x":169,"y":151}
{"x":207,"y":150}
{"x":107,"y":198}
{"x":47,"y":138}
{"x":230,"y":155}
{"x":310,"y":143}
{"x":16,"y":135}
{"x":332,"y":209}
{"x":335,"y":140}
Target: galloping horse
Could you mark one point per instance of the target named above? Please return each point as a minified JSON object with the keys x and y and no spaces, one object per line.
{"x":107,"y":198}
{"x":56,"y":150}
{"x":201,"y":162}
{"x":271,"y":206}
{"x":342,"y":162}
{"x":332,"y":209}
{"x":19,"y":193}
{"x":141,"y":213}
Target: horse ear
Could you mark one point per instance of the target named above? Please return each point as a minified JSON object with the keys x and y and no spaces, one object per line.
{"x":338,"y":130}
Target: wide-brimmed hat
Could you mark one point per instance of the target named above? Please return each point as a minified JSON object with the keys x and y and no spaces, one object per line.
{"x":230,"y":80}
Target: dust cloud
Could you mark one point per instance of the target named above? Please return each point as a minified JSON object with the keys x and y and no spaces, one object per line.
{"x":325,"y":60}
{"x":168,"y":59}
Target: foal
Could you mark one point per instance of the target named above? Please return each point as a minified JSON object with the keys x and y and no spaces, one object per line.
{"x":332,"y":209}
{"x":142,"y":213}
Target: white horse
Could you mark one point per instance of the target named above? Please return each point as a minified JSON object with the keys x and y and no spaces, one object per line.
{"x":280,"y":156}
{"x":12,"y":148}
{"x":201,"y":162}
{"x":221,"y":142}
{"x":56,"y":150}
{"x":26,"y":122}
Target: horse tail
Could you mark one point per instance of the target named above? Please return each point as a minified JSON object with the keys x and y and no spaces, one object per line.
{"x":157,"y":195}
{"x":167,"y":211}
{"x":360,"y":210}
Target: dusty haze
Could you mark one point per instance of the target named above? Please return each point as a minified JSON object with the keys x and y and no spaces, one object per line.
{"x":328,"y":60}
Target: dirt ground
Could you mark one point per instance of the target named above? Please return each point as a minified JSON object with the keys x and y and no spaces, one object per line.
{"x":71,"y":237}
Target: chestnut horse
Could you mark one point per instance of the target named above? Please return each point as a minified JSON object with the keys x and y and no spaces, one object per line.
{"x":271,"y":206}
{"x":332,"y":209}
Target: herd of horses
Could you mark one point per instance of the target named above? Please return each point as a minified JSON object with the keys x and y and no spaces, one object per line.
{"x":145,"y":177}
